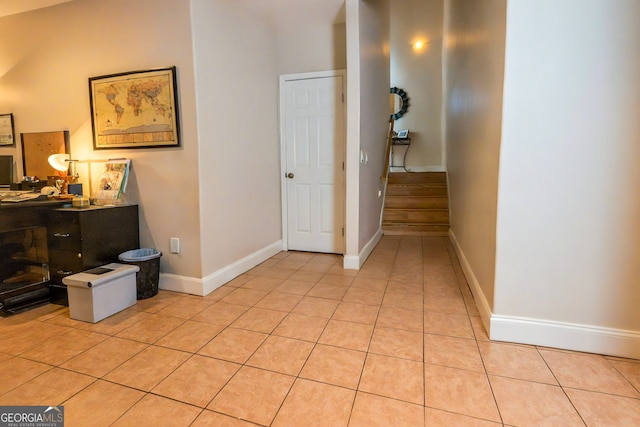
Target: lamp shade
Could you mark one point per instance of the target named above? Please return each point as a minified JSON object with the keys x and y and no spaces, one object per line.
{"x":60,"y":162}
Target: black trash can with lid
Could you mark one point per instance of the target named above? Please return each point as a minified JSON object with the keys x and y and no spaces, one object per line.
{"x":148,"y":260}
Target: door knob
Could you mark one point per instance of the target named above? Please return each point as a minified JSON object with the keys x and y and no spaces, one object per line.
{"x":290,"y":175}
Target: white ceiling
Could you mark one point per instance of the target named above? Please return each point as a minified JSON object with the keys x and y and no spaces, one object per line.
{"x":277,"y":10}
{"x":10,"y":7}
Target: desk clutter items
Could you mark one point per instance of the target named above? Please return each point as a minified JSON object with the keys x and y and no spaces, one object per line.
{"x":81,"y":202}
{"x":50,"y":191}
{"x":101,"y":292}
{"x":45,"y":193}
{"x":27,"y":196}
{"x":112,"y":182}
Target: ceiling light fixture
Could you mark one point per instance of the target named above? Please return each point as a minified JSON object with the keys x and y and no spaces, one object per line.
{"x":419,"y":44}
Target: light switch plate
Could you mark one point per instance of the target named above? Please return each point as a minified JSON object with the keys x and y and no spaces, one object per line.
{"x":175,"y":245}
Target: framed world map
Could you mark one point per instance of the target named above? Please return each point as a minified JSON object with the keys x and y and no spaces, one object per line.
{"x":135,"y":109}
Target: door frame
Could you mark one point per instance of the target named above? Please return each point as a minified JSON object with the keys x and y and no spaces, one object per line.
{"x":284,"y":78}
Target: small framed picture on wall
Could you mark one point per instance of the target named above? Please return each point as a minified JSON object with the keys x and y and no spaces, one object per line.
{"x":6,"y":129}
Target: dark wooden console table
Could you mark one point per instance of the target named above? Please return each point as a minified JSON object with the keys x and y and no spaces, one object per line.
{"x":43,"y":241}
{"x":26,"y":214}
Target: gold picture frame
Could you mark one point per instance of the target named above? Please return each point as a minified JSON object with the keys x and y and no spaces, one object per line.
{"x":135,"y":110}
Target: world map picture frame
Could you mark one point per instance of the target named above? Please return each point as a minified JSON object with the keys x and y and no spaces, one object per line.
{"x":136,"y":109}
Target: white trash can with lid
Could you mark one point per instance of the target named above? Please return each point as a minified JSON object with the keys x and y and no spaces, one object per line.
{"x":101,"y":292}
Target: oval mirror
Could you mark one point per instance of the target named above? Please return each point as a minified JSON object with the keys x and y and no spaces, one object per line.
{"x":399,"y":102}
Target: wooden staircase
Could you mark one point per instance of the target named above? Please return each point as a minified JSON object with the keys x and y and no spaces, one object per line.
{"x":416,"y":203}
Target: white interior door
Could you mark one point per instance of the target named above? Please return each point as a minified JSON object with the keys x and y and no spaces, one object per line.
{"x":314,"y":135}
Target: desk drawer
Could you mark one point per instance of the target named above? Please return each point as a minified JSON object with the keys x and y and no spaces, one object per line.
{"x":63,"y":264}
{"x":64,"y":237}
{"x":63,"y":231}
{"x":64,"y":242}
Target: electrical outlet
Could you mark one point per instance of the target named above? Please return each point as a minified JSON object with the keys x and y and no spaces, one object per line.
{"x":174,"y":242}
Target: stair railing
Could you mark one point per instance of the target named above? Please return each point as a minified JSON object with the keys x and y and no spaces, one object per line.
{"x":387,"y":157}
{"x":385,"y":172}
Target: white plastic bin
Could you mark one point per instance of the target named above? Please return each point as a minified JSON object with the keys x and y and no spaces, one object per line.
{"x":101,"y":292}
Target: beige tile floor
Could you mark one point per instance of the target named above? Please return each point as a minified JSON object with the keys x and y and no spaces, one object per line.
{"x":299,"y":341}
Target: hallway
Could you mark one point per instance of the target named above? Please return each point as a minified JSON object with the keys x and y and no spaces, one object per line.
{"x":299,"y":341}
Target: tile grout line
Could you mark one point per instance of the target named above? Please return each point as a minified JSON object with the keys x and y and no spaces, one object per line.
{"x":564,"y":391}
{"x":609,"y":362}
{"x":366,"y":358}
{"x":315,"y":344}
{"x":486,"y":374}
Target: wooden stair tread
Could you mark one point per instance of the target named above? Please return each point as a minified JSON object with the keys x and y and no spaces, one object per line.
{"x":419,"y":177}
{"x":418,"y":184}
{"x":417,"y":190}
{"x":415,"y":229}
{"x":437,"y":216}
{"x":396,"y":225}
{"x":416,"y":203}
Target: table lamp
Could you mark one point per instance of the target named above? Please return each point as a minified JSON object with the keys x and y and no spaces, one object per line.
{"x":62,"y":163}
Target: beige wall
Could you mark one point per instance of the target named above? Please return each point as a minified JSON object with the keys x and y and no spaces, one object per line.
{"x":46,"y":58}
{"x":419,"y":73}
{"x":305,"y":46}
{"x":310,"y":34}
{"x":238,"y":138}
{"x":562,"y":120}
{"x":474,"y":49}
{"x":569,"y":212}
{"x":367,"y":123}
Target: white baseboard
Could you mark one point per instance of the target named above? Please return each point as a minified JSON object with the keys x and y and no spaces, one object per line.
{"x":354,"y":262}
{"x":478,"y":295}
{"x":218,"y":278}
{"x":184,"y":284}
{"x":351,"y":262}
{"x":548,"y":333}
{"x":567,"y":336}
